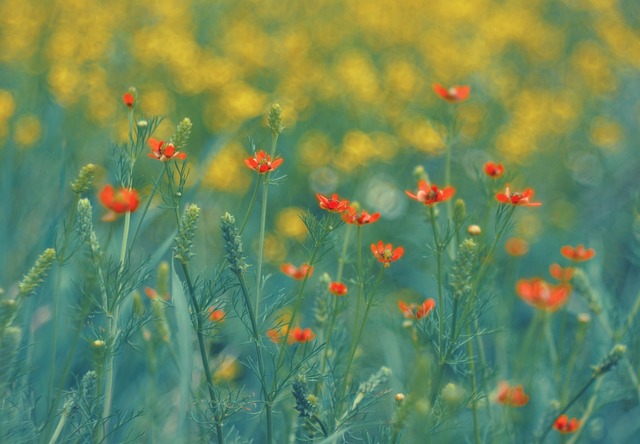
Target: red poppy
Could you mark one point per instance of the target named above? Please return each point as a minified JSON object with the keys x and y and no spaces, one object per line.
{"x":453,"y":94}
{"x":577,"y":254}
{"x":118,"y":201}
{"x":262,"y":162}
{"x":493,"y":170}
{"x":350,"y":216}
{"x":301,"y":335}
{"x":511,"y":396}
{"x":517,"y":198}
{"x":385,"y":253}
{"x":128,"y":99}
{"x":297,"y":273}
{"x":431,"y":194}
{"x":164,"y":151}
{"x":338,"y":288}
{"x":335,"y":205}
{"x":216,"y":315}
{"x":415,"y":311}
{"x":541,"y":294}
{"x":561,"y":274}
{"x":565,"y":425}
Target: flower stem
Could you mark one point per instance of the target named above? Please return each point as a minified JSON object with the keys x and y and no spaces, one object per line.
{"x":440,"y":307}
{"x":263,"y":223}
{"x":474,"y":388}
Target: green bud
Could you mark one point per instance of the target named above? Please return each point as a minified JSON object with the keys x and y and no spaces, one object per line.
{"x":275,"y":119}
{"x":37,"y":274}
{"x":187,"y":232}
{"x":84,"y":181}
{"x":182,"y":134}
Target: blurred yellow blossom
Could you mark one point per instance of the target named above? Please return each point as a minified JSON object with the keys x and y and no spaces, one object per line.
{"x":227,"y":171}
{"x":27,"y":130}
{"x":289,"y":223}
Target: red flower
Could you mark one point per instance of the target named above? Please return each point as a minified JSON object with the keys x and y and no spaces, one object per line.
{"x":431,"y":194}
{"x":493,"y":170}
{"x":216,"y":315}
{"x":453,"y":94}
{"x":577,"y":254}
{"x":128,"y":99}
{"x":511,"y":396}
{"x":517,"y":198}
{"x":541,"y":294}
{"x":561,"y":274}
{"x":118,"y":202}
{"x":164,"y":151}
{"x":262,"y":162}
{"x":565,"y":425}
{"x":385,"y":253}
{"x":337,"y":288}
{"x":301,"y":335}
{"x":335,"y":205}
{"x":414,"y":311}
{"x":350,"y":216}
{"x":297,"y":273}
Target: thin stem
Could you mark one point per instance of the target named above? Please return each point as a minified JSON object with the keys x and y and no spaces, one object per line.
{"x":249,"y":208}
{"x":440,"y":307}
{"x":146,"y":207}
{"x":263,"y":224}
{"x":472,"y":369}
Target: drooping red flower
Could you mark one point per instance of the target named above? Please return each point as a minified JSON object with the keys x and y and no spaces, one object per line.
{"x":216,"y":315}
{"x":577,"y":254}
{"x":431,"y":194}
{"x":415,"y":311}
{"x":297,"y":273}
{"x":118,"y":201}
{"x":493,"y":170}
{"x":301,"y":335}
{"x":452,"y":94}
{"x":128,"y":99}
{"x":511,"y":396}
{"x":561,"y":274}
{"x":350,"y":216}
{"x":164,"y":151}
{"x":338,"y":288}
{"x":262,"y":162}
{"x":385,"y":253}
{"x":518,"y":198}
{"x":543,"y":295}
{"x":565,"y":425}
{"x":335,"y":205}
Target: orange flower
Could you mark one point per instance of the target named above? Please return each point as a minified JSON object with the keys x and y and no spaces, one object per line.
{"x":561,"y":274}
{"x":128,"y":99}
{"x":335,"y":205}
{"x":262,"y":162}
{"x":337,"y":288}
{"x":511,"y":396}
{"x":385,"y":253}
{"x":516,"y":246}
{"x":216,"y":315}
{"x":301,"y":335}
{"x":540,"y":294}
{"x":518,"y":198}
{"x":565,"y":425}
{"x":118,"y":202}
{"x":431,"y":194}
{"x":350,"y":216}
{"x":493,"y":170}
{"x":164,"y":151}
{"x":453,"y":94}
{"x":296,"y":273}
{"x":577,"y":254}
{"x":413,"y":311}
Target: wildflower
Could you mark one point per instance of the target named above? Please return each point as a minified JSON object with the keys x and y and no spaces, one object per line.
{"x":334,"y":205}
{"x":262,"y":162}
{"x":385,"y":253}
{"x":561,"y":274}
{"x":493,"y":170}
{"x":301,"y":335}
{"x":164,"y":151}
{"x":565,"y":425}
{"x":431,"y":194}
{"x":216,"y":315}
{"x":511,"y":396}
{"x":128,"y":99}
{"x":350,"y":216}
{"x":337,"y":288}
{"x":540,"y":294}
{"x":118,"y":201}
{"x":577,"y":254}
{"x":453,"y":94}
{"x":297,"y":273}
{"x":517,"y":198}
{"x":414,"y":311}
{"x":516,"y":246}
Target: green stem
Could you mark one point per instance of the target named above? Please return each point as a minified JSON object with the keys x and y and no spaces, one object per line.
{"x":263,"y":224}
{"x":250,"y":208}
{"x":440,"y":307}
{"x":146,"y":207}
{"x":472,"y":369}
